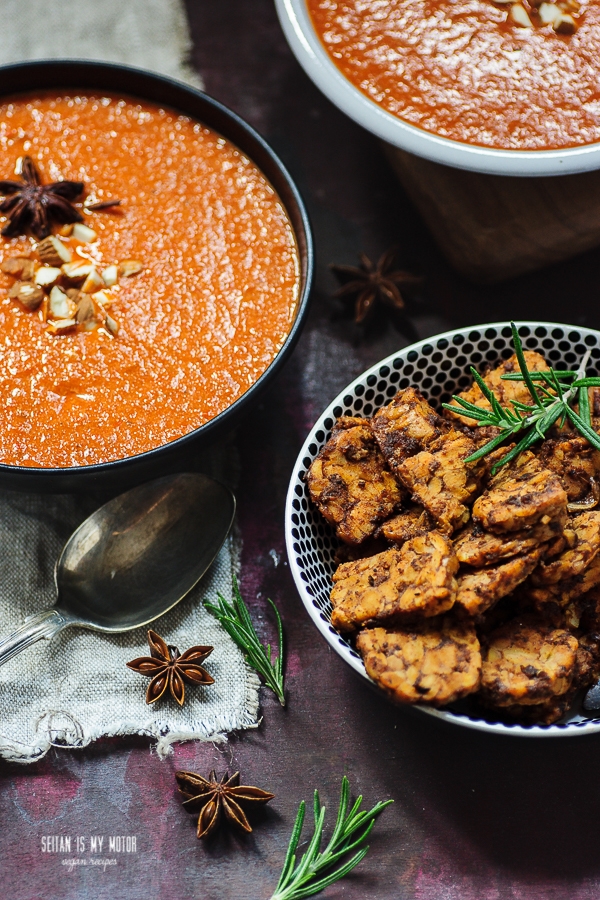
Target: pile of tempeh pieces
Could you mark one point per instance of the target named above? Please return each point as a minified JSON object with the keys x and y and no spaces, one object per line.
{"x":455,"y":581}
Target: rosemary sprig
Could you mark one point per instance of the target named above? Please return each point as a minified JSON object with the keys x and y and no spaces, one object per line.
{"x":235,"y":619}
{"x":317,"y":870}
{"x":552,"y":392}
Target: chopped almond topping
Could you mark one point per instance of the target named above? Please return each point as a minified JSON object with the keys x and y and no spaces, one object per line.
{"x":69,"y":294}
{"x":61,"y":307}
{"x":20,"y":266}
{"x":86,"y":309}
{"x":112,"y":325}
{"x":47,"y":275}
{"x":130,"y":267}
{"x":110,"y":276}
{"x":93,"y":282}
{"x":559,"y":14}
{"x":549,"y":13}
{"x":43,"y":310}
{"x":84,"y":233}
{"x":565,"y":25}
{"x":53,"y":252}
{"x":519,"y":16}
{"x":61,"y":325}
{"x":30,"y":295}
{"x":77,"y":271}
{"x":102,"y":298}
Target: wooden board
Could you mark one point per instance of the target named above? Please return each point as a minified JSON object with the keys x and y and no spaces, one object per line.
{"x":492,"y":227}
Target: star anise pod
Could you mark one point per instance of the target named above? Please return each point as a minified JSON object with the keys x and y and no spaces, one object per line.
{"x":168,"y":668}
{"x":369,"y":283}
{"x":33,"y":206}
{"x":211,"y":798}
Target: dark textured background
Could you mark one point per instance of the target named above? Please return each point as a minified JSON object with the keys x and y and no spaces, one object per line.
{"x":475,"y":816}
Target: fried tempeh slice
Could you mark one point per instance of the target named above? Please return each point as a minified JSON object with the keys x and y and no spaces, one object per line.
{"x":573,"y":561}
{"x":479,"y":590}
{"x":566,"y":591}
{"x":519,"y":496}
{"x":350,"y":484}
{"x":574,"y":461}
{"x":410,"y":523}
{"x":527,"y":662}
{"x":436,"y":662}
{"x":406,"y":426}
{"x":441,"y":481}
{"x":505,"y":391}
{"x":546,"y":713}
{"x":416,"y":579}
{"x":586,"y":673}
{"x":475,"y":547}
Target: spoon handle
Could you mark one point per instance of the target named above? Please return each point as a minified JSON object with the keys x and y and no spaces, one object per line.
{"x":44,"y":625}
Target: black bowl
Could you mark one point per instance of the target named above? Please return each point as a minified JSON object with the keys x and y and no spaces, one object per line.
{"x":176,"y":455}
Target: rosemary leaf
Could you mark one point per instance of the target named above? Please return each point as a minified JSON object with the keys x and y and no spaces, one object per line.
{"x":536,"y":433}
{"x":235,"y":619}
{"x":586,"y":382}
{"x":487,"y":448}
{"x":539,"y":376}
{"x":318,"y":869}
{"x":523,"y":365}
{"x":552,"y":397}
{"x":487,"y":393}
{"x":584,"y":429}
{"x":584,"y":405}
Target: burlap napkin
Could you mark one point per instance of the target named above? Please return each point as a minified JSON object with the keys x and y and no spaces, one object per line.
{"x":76,"y":688}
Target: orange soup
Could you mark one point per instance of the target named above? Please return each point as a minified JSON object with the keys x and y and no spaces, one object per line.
{"x":465,"y":70}
{"x":206,"y":312}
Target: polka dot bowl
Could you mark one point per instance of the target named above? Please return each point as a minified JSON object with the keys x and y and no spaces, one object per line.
{"x":438,"y":367}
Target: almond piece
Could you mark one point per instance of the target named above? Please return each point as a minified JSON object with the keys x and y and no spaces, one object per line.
{"x":84,"y":233}
{"x":46,"y":276}
{"x":110,"y":276}
{"x":66,"y":230}
{"x":565,"y":25}
{"x":43,"y":310}
{"x":86,"y":309}
{"x":59,"y":326}
{"x":130,"y":267}
{"x":102,"y":298}
{"x":112,"y":325}
{"x":73,"y":294}
{"x":519,"y":16}
{"x":60,"y":306}
{"x":549,"y":13}
{"x":17,"y":266}
{"x":77,"y":271}
{"x":30,"y":295}
{"x":93,"y":282}
{"x":53,"y":252}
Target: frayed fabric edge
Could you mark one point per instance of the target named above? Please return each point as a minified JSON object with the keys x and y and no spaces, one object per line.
{"x":214,"y":729}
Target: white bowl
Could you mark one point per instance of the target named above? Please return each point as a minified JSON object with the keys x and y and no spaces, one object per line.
{"x":438,"y":366}
{"x":312,"y":56}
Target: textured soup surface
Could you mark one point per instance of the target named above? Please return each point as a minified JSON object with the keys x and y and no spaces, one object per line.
{"x":459,"y":69}
{"x":199,"y":325}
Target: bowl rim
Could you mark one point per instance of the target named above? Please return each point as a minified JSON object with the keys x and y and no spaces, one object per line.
{"x":327,"y":631}
{"x":309,"y":51}
{"x":61,"y":74}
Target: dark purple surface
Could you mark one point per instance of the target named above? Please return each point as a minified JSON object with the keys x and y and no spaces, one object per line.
{"x":476,"y":817}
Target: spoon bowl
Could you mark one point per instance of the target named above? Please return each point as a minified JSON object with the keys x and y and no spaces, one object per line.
{"x":134,"y":558}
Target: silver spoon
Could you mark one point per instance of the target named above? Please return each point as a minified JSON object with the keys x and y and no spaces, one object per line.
{"x":134,"y":558}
